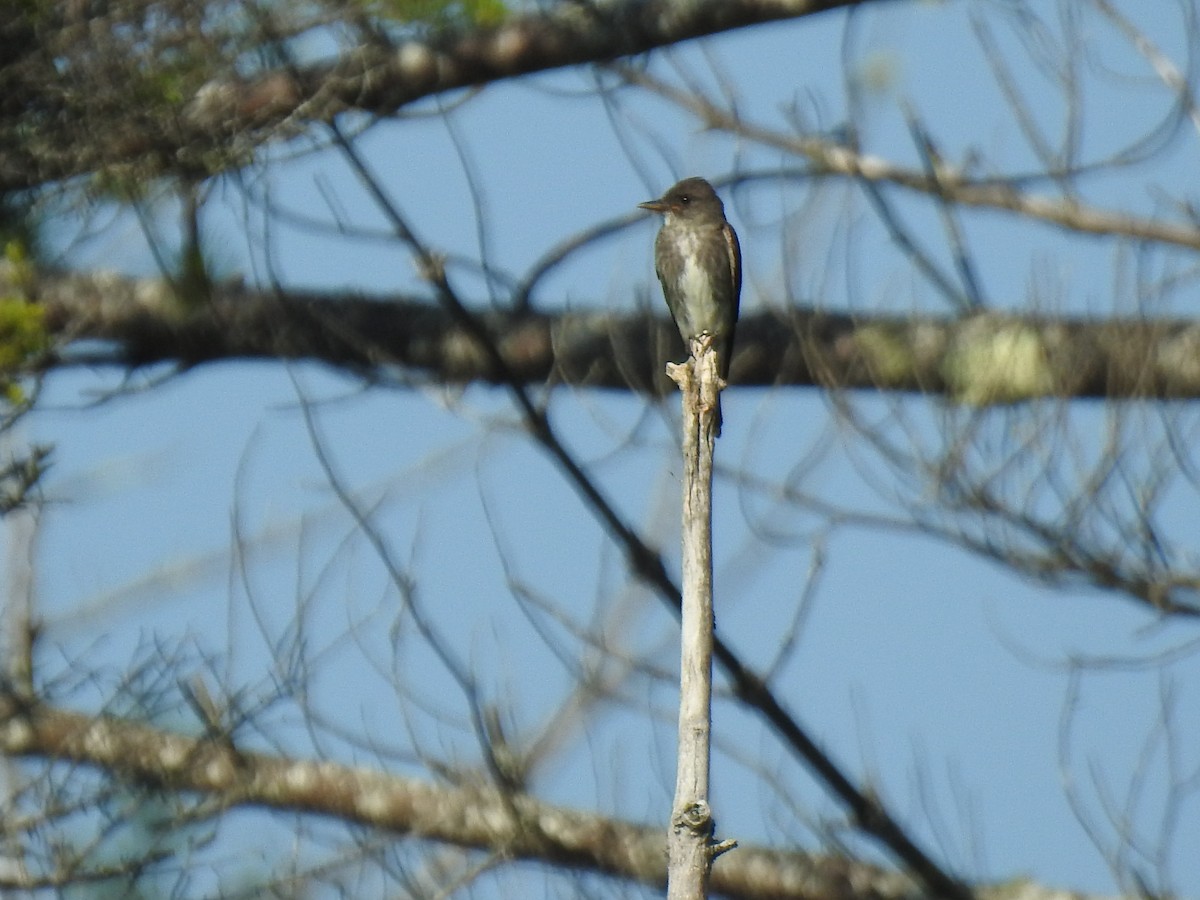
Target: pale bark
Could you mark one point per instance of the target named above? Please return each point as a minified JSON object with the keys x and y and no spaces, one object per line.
{"x":473,"y":815}
{"x":690,"y":836}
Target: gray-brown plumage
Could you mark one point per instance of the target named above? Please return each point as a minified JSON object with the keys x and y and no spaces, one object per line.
{"x":699,"y":262}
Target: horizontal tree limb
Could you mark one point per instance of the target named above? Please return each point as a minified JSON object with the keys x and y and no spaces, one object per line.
{"x":557,"y":36}
{"x":478,"y":816}
{"x":232,"y":113}
{"x":983,"y":358}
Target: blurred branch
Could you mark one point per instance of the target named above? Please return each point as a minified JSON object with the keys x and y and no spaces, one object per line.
{"x":947,"y":183}
{"x":476,"y":816}
{"x":987,"y":358}
{"x":229,"y":114}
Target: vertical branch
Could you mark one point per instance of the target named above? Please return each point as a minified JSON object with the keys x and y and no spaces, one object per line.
{"x":18,"y":630}
{"x":18,"y":622}
{"x":690,"y":840}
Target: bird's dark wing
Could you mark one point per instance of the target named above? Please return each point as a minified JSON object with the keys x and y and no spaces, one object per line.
{"x":735,"y":264}
{"x":668,"y":280}
{"x":735,"y":271}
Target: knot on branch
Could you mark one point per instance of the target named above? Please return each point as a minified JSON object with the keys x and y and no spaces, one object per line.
{"x":697,"y":818}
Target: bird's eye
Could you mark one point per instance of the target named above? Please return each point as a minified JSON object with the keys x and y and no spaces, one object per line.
{"x":685,"y":199}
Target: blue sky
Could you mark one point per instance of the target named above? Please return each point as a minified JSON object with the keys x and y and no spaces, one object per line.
{"x":936,"y":678}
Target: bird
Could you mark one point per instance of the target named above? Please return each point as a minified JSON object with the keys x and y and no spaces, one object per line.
{"x":698,"y":260}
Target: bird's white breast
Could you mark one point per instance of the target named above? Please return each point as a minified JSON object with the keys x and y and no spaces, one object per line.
{"x":700,"y":311}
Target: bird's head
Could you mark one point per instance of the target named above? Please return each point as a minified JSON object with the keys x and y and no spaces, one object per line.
{"x":690,"y":197}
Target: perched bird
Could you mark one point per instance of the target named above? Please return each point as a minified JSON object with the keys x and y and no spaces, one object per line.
{"x":699,"y":262}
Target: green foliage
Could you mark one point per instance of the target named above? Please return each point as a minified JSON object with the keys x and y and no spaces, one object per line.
{"x":18,"y":266}
{"x":484,"y":12}
{"x":19,"y":231}
{"x":441,"y":13}
{"x":23,"y":335}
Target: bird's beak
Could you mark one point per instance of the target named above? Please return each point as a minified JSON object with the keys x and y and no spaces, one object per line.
{"x":654,"y":206}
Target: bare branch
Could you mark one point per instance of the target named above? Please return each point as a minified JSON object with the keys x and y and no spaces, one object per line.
{"x":948,"y":183}
{"x":988,"y":358}
{"x":478,"y":816}
{"x":221,"y":120}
